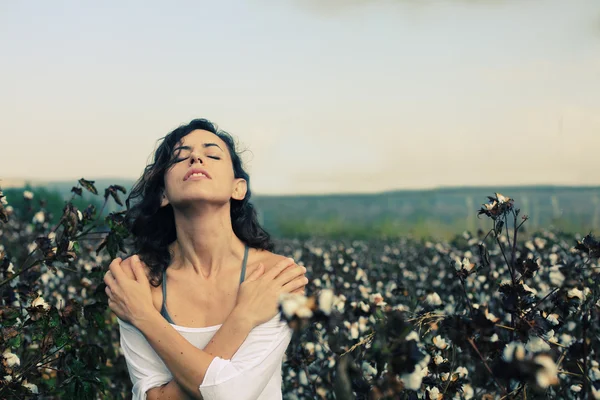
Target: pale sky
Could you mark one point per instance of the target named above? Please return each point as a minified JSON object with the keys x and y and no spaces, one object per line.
{"x":328,"y":95}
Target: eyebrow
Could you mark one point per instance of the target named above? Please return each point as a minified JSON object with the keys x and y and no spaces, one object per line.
{"x":205,"y":145}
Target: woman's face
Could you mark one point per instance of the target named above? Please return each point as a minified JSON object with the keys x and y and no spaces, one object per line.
{"x":204,"y":172}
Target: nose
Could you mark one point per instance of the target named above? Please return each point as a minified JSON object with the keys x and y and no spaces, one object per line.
{"x":194,"y":158}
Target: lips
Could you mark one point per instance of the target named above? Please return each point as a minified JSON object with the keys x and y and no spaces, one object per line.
{"x":196,"y":171}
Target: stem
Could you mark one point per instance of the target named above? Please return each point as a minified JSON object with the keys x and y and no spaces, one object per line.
{"x":507,"y":233}
{"x":586,"y":383}
{"x":545,"y":297}
{"x":462,"y":281}
{"x":515,"y":229}
{"x":4,"y":282}
{"x":451,"y":369}
{"x":33,"y":364}
{"x":512,"y":275}
{"x":470,"y":340}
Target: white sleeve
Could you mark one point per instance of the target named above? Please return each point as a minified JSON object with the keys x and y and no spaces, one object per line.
{"x":146,"y":368}
{"x":246,"y":375}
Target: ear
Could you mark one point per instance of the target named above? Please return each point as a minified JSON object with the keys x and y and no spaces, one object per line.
{"x":240,"y":188}
{"x":163,"y":200}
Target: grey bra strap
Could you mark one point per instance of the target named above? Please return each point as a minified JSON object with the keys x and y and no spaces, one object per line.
{"x":243,"y":274}
{"x":163,"y":310}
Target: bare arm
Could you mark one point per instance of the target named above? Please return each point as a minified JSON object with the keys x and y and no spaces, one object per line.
{"x":170,"y":391}
{"x":187,"y":363}
{"x":131,"y":301}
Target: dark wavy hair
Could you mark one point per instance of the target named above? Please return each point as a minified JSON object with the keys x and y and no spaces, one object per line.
{"x":152,"y":227}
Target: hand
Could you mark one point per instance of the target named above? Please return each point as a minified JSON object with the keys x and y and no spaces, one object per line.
{"x":128,"y":290}
{"x":258,"y":296}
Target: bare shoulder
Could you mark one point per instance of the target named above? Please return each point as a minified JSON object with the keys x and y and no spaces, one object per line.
{"x":267,"y":258}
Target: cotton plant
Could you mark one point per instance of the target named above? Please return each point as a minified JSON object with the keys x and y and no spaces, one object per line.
{"x":53,"y":337}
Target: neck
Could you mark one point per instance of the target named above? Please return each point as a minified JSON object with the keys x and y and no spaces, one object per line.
{"x":205,"y":240}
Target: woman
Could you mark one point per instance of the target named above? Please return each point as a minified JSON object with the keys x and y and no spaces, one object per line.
{"x":196,"y":232}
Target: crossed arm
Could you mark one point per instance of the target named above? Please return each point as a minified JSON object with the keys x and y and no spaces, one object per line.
{"x":187,"y":363}
{"x":157,"y":353}
{"x":244,"y":376}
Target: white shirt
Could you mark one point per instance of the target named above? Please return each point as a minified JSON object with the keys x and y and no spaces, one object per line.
{"x":253,"y":373}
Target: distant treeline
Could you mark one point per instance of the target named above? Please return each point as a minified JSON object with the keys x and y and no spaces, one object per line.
{"x":438,"y":213}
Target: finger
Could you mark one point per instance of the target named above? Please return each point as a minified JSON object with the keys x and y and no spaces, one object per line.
{"x":108,"y":292}
{"x":278,"y":268}
{"x":109,"y":279}
{"x":297,"y":283}
{"x":138,"y":269}
{"x":290,"y":274}
{"x":257,"y":273}
{"x":300,"y":291}
{"x":117,"y":270}
{"x":127,"y":268}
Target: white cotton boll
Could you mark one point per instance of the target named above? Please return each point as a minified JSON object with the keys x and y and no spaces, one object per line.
{"x":575,"y":294}
{"x":433,"y":393}
{"x":303,"y":378}
{"x":413,"y":335}
{"x":536,"y":345}
{"x":462,"y":372}
{"x":494,"y":338}
{"x":368,"y":369}
{"x":439,"y":342}
{"x":594,"y":374}
{"x":556,"y":278}
{"x":468,"y":391}
{"x":439,"y":359}
{"x":11,"y":358}
{"x":413,"y":380}
{"x":364,"y":306}
{"x":433,"y":299}
{"x":294,"y":304}
{"x":39,"y":217}
{"x":553,"y":319}
{"x":30,"y":386}
{"x":45,"y":277}
{"x":362,"y":323}
{"x":326,"y":299}
{"x":377,"y":299}
{"x":566,"y":339}
{"x":27,"y":195}
{"x":310,"y":348}
{"x":548,"y":374}
{"x":539,"y":242}
{"x":576,"y":388}
{"x":354,"y":331}
{"x":40,"y":302}
{"x":11,"y":268}
{"x":513,"y":350}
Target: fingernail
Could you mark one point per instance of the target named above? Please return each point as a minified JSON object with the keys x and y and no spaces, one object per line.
{"x":304,"y":269}
{"x":290,"y":259}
